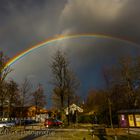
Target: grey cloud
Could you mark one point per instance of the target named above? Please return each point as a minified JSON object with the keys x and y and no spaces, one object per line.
{"x":115,"y":17}
{"x":26,"y":23}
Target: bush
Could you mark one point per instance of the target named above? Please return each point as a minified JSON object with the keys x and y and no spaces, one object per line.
{"x":85,"y":119}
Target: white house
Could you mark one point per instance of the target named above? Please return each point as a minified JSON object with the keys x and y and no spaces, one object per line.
{"x":73,"y":108}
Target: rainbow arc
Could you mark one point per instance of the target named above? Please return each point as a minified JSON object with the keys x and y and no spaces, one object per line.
{"x":58,"y":38}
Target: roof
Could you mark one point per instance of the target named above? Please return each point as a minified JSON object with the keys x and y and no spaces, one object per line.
{"x":90,"y":113}
{"x":42,"y":110}
{"x":129,"y":111}
{"x":73,"y":108}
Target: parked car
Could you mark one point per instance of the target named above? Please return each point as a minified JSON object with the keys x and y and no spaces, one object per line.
{"x":28,"y":122}
{"x":7,"y":123}
{"x":57,"y":122}
{"x":25,"y":122}
{"x":52,"y":122}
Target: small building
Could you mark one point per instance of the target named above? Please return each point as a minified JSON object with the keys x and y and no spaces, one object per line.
{"x":37,"y":113}
{"x":129,"y":118}
{"x":72,"y":112}
{"x":26,"y":112}
{"x":73,"y":108}
{"x":32,"y":111}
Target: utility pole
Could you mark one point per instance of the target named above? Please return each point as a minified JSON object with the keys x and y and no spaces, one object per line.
{"x":105,"y":74}
{"x":110,"y":115}
{"x":110,"y":112}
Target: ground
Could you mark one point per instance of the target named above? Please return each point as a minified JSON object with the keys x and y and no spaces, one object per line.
{"x":62,"y":136}
{"x":41,"y":133}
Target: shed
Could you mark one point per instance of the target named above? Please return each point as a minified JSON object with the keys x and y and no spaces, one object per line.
{"x":129,"y":117}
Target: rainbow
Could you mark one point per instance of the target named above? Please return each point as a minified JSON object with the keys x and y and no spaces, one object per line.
{"x":58,"y":38}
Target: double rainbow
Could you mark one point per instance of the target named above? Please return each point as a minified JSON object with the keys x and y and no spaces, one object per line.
{"x":58,"y":38}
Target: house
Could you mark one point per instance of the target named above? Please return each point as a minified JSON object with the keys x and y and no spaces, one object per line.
{"x":72,"y":112}
{"x":27,"y":112}
{"x":129,"y":118}
{"x":73,"y":108}
{"x":32,"y":111}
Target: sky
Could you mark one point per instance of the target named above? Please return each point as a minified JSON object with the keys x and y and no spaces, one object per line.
{"x":24,"y":23}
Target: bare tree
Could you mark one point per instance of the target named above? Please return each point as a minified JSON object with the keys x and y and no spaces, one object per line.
{"x":25,"y":95}
{"x":4,"y":68}
{"x":12,"y":96}
{"x":64,"y":80}
{"x":72,"y":84}
{"x":125,"y":75}
{"x":39,"y":98}
{"x":108,"y":92}
{"x":123,"y":86}
{"x":4,"y":71}
{"x":59,"y":67}
{"x":96,"y":104}
{"x":127,"y":78}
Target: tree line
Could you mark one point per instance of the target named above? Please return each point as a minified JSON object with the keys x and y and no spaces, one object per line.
{"x":122,"y":90}
{"x":13,"y":95}
{"x":64,"y":81}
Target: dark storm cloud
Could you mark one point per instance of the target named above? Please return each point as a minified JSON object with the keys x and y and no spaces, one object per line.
{"x":129,"y":21}
{"x":25,"y":23}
